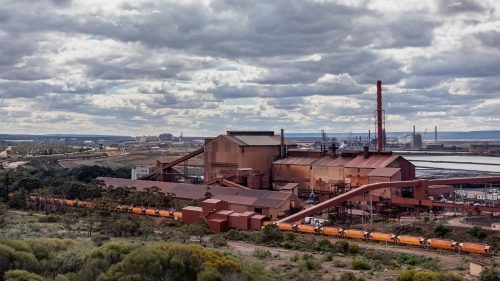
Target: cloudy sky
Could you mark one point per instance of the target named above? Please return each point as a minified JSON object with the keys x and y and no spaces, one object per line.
{"x":204,"y":67}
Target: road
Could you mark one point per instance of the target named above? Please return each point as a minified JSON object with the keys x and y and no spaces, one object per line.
{"x":458,"y":222}
{"x":4,"y":153}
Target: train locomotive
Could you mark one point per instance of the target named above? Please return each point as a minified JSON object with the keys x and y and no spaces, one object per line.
{"x":389,"y":238}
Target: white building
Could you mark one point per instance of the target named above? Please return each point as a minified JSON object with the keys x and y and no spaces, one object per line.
{"x":138,"y":172}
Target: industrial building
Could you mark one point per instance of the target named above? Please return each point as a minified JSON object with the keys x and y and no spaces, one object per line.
{"x":272,"y":204}
{"x":141,"y":171}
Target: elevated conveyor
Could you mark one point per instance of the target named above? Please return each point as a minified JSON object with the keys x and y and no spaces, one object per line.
{"x":420,"y":185}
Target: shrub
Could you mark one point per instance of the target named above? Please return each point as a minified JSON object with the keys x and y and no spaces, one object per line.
{"x":361,"y":279}
{"x":449,"y":276}
{"x":328,"y":257}
{"x":426,"y":276}
{"x":295,"y":258}
{"x":218,"y":241}
{"x":289,"y":236}
{"x":360,"y":263}
{"x":307,"y":257}
{"x":432,"y":264}
{"x":347,"y":276}
{"x":309,"y":264}
{"x":476,"y":232}
{"x":353,"y":249}
{"x":99,"y":240}
{"x":323,"y":245}
{"x":441,"y":230}
{"x":394,"y":265}
{"x":373,"y":255}
{"x":262,"y":254}
{"x":489,"y":275}
{"x":406,"y":275}
{"x":338,"y":263}
{"x":341,"y":246}
{"x":233,"y":235}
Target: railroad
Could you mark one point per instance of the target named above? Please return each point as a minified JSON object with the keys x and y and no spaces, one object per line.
{"x":390,"y":238}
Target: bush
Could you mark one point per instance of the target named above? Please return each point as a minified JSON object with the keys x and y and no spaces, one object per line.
{"x":426,"y":276}
{"x":307,"y":257}
{"x":233,"y":235}
{"x":309,"y":264}
{"x":289,"y":236}
{"x":353,"y":249}
{"x":338,"y":263}
{"x":341,"y":246}
{"x":262,"y":254}
{"x":347,"y":276}
{"x":360,"y":263}
{"x":441,"y":231}
{"x":406,"y":275}
{"x":432,"y":264}
{"x":361,"y":279}
{"x":394,"y":265}
{"x":99,"y":240}
{"x":489,"y":275}
{"x":328,"y":257}
{"x":448,"y":276}
{"x":372,"y":255}
{"x":476,"y":232}
{"x":273,"y":234}
{"x":218,"y":241}
{"x":323,"y":245}
{"x":295,"y":258}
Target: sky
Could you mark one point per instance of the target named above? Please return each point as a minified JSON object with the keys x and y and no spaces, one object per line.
{"x":205,"y":67}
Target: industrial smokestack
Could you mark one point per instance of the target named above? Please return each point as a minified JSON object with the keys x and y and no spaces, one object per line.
{"x":369,"y":138}
{"x":379,"y":114}
{"x":282,"y":150}
{"x":436,"y":134}
{"x":366,"y":152}
{"x":414,"y":130}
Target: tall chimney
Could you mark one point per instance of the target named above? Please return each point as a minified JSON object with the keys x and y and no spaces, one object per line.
{"x":282,"y":150}
{"x":436,"y":134}
{"x":366,"y":152}
{"x":379,"y":114}
{"x":369,"y":138}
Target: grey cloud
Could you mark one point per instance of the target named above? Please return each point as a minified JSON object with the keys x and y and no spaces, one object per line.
{"x":451,"y":7}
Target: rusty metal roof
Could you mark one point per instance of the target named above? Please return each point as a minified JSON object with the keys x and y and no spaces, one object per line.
{"x":384,"y":172}
{"x":289,"y":186}
{"x":249,"y":197}
{"x":311,"y":161}
{"x":257,"y":140}
{"x":374,"y":161}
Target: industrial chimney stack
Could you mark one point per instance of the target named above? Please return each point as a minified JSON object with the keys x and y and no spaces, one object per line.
{"x":435,"y":134}
{"x":379,"y":115}
{"x":282,"y":142}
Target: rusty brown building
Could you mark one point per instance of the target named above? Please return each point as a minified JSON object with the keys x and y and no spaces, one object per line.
{"x":256,"y":150}
{"x":325,"y":175}
{"x":272,"y":204}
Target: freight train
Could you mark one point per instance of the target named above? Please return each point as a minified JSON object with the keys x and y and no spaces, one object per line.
{"x":390,"y":238}
{"x":129,"y":209}
{"x":466,"y":247}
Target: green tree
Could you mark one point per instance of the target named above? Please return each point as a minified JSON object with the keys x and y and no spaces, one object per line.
{"x":199,"y":230}
{"x":441,"y":231}
{"x":4,"y":209}
{"x":476,"y":232}
{"x":347,"y":276}
{"x":273,"y":234}
{"x":209,"y":274}
{"x":22,"y":275}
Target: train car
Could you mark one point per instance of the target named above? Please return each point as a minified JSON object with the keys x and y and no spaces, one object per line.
{"x":32,"y":198}
{"x":410,"y":240}
{"x":287,"y":226}
{"x":52,"y":200}
{"x":441,"y":244}
{"x":331,"y":231}
{"x":135,"y":210}
{"x":307,"y":228}
{"x":264,"y":223}
{"x":382,"y":237}
{"x":150,"y":212}
{"x":163,"y":213}
{"x":354,"y":234}
{"x":477,"y":248}
{"x":70,"y":203}
{"x":178,"y":215}
{"x":81,"y":203}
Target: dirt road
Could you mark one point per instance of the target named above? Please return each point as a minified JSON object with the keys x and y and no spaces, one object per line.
{"x":458,"y":222}
{"x":4,"y":153}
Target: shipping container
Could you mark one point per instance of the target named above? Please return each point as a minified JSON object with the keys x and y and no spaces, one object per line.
{"x":331,"y":231}
{"x":383,"y":237}
{"x":287,"y":226}
{"x":410,"y":240}
{"x":307,"y":228}
{"x":355,"y":234}
{"x":474,"y":248}
{"x":441,"y":244}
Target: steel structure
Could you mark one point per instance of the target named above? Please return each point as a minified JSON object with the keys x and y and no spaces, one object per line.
{"x":420,"y":188}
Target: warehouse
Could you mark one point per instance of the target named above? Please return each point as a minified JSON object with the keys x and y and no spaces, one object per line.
{"x":272,"y":204}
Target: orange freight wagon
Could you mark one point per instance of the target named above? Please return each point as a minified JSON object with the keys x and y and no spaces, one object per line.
{"x":410,"y":240}
{"x":151,"y":212}
{"x":355,"y":234}
{"x":178,"y":215}
{"x":474,"y":248}
{"x":382,"y":237}
{"x":441,"y":244}
{"x":307,"y":228}
{"x":287,"y":226}
{"x":165,"y":214}
{"x":331,"y":231}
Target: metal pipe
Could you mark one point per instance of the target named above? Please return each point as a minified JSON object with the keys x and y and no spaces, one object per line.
{"x":379,"y":114}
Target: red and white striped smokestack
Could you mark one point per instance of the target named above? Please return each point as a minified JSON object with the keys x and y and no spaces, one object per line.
{"x":379,"y":115}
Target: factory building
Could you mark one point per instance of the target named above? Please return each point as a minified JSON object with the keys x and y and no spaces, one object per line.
{"x":272,"y":204}
{"x":238,"y":150}
{"x":325,"y":175}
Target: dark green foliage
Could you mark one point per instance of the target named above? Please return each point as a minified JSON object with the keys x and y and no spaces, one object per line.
{"x":409,"y":259}
{"x":476,"y":232}
{"x":489,"y":275}
{"x":360,"y":263}
{"x":218,"y":241}
{"x":323,"y":245}
{"x":341,"y":246}
{"x":22,"y":275}
{"x":272,"y":234}
{"x":347,"y":276}
{"x":353,"y":249}
{"x":209,"y":274}
{"x":449,"y":276}
{"x":441,"y":231}
{"x":262,"y":254}
{"x":309,"y":264}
